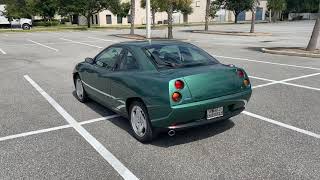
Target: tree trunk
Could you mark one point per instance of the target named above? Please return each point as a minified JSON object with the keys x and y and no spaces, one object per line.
{"x":153,"y":12}
{"x":275,"y":16}
{"x":236,"y":18}
{"x":314,"y":37}
{"x":88,"y":20}
{"x":170,"y":20}
{"x":206,"y":27}
{"x":270,"y":16}
{"x":132,"y":16}
{"x":253,"y":20}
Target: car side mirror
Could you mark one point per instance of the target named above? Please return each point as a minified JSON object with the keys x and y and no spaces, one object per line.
{"x":89,"y":60}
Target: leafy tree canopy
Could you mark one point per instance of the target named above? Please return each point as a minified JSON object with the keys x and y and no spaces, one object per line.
{"x":277,"y":5}
{"x":19,"y":8}
{"x":122,"y":9}
{"x":237,"y":6}
{"x":302,"y":6}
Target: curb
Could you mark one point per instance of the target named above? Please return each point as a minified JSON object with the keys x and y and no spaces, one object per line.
{"x":288,"y":53}
{"x":232,"y":33}
{"x":140,"y":37}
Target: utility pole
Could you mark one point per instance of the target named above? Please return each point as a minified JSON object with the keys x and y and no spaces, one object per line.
{"x":148,"y":19}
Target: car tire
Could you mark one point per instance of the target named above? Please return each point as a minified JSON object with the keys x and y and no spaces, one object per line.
{"x":26,"y":26}
{"x":140,"y":122}
{"x":80,"y":92}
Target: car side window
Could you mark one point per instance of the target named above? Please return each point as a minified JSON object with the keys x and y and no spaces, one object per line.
{"x":128,"y":62}
{"x":109,"y":57}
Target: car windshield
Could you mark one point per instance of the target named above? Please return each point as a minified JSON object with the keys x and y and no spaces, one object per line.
{"x":175,"y":56}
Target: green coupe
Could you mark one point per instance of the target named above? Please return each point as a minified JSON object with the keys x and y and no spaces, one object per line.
{"x":162,"y":85}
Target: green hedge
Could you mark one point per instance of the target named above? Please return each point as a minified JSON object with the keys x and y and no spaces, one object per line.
{"x":46,"y":23}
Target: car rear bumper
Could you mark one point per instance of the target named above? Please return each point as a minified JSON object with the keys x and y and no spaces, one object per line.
{"x":195,"y":114}
{"x":205,"y":121}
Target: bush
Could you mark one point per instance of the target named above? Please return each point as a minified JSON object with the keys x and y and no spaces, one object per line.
{"x":46,"y":23}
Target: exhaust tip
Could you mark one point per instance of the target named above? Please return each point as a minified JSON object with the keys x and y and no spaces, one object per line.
{"x":171,"y":132}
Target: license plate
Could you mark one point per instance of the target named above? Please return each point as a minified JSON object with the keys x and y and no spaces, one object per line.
{"x":214,"y":113}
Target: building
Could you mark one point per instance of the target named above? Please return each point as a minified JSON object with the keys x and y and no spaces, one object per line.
{"x":106,"y":18}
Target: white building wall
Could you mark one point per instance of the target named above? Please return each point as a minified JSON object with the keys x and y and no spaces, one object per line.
{"x":198,"y":15}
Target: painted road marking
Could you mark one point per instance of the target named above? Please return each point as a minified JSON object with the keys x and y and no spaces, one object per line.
{"x":34,"y":132}
{"x":43,"y":45}
{"x":107,"y":40}
{"x":107,"y":155}
{"x":266,"y":62}
{"x":77,"y":42}
{"x":285,"y":81}
{"x":98,"y":119}
{"x":2,"y":51}
{"x":55,"y":128}
{"x":309,"y":133}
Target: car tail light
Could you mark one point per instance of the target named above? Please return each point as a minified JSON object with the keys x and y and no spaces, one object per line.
{"x":176,"y":96}
{"x":179,"y":84}
{"x":240,"y":74}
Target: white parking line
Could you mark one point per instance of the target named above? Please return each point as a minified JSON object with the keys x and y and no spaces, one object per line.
{"x":285,"y":81}
{"x":107,"y":155}
{"x":2,"y":51}
{"x":43,"y":45}
{"x":33,"y":132}
{"x":54,"y":128}
{"x":107,"y":40}
{"x":98,"y":119}
{"x":77,"y":42}
{"x":266,"y":62}
{"x":309,"y":133}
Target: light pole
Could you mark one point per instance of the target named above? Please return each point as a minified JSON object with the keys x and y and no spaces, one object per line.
{"x":148,"y":19}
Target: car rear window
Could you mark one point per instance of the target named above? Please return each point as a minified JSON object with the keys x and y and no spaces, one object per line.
{"x":178,"y":55}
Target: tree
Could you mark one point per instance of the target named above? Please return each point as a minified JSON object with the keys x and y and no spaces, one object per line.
{"x":255,"y":4}
{"x":302,"y":6}
{"x":315,"y":36}
{"x":122,"y":10}
{"x":46,"y":8}
{"x":88,"y":8}
{"x":19,"y":8}
{"x":212,"y":7}
{"x":186,"y":10}
{"x":155,"y":7}
{"x":132,"y":15}
{"x":276,"y":6}
{"x":237,"y":6}
{"x":171,"y":6}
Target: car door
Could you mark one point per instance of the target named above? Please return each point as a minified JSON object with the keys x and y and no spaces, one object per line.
{"x":96,"y":76}
{"x":122,"y":80}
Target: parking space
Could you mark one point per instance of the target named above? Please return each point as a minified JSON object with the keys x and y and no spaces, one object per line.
{"x":46,"y":133}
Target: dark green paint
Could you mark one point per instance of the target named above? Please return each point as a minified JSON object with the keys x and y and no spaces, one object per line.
{"x":206,"y":87}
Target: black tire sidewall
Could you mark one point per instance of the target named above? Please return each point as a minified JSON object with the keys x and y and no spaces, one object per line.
{"x":149,"y":132}
{"x":26,"y":27}
{"x":84,"y":98}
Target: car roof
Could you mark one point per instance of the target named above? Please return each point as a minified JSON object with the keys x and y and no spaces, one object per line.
{"x":145,"y":43}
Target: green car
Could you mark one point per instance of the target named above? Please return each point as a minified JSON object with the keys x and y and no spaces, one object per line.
{"x":162,"y":86}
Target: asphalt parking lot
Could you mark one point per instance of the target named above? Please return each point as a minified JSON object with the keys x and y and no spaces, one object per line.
{"x":45,"y":133}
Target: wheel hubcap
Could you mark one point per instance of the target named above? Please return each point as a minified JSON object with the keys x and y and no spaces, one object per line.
{"x":138,"y":121}
{"x":79,"y":89}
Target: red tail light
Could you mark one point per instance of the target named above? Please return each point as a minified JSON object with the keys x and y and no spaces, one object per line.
{"x":179,"y":84}
{"x":240,"y":74}
{"x":176,"y":96}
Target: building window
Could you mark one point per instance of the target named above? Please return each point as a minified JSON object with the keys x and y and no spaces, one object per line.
{"x":197,"y":3}
{"x":119,"y":19}
{"x":109,"y":19}
{"x":97,"y":19}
